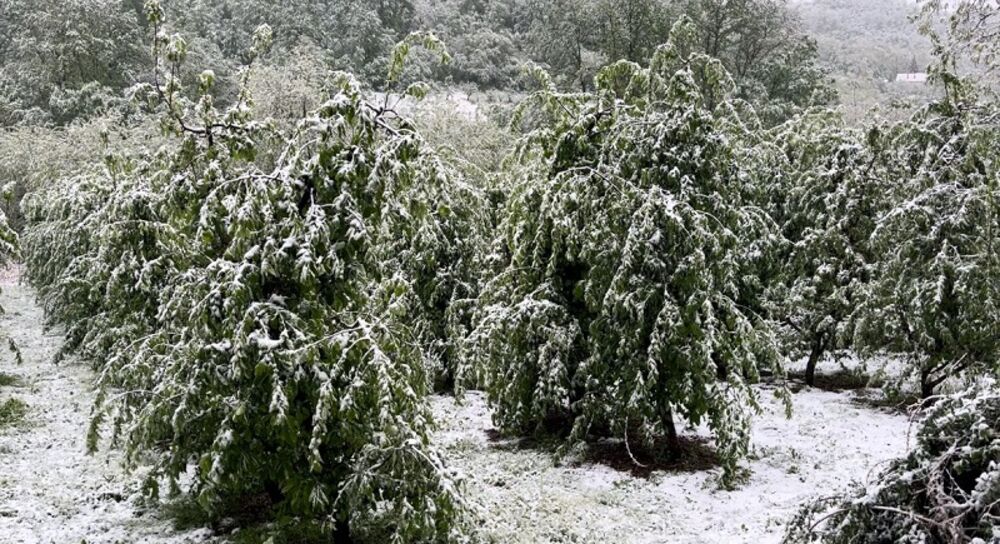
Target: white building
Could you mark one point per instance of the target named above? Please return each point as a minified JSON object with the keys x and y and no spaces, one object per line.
{"x":915,"y":77}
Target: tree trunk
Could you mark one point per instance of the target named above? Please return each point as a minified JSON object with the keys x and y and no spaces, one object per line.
{"x":342,"y":533}
{"x":721,"y":370}
{"x":668,"y":422}
{"x":274,"y":492}
{"x":814,"y":355}
{"x":926,"y":384}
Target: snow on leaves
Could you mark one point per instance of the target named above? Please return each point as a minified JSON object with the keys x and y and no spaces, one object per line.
{"x":826,"y":205}
{"x":934,"y":293}
{"x":615,"y":300}
{"x":244,"y":299}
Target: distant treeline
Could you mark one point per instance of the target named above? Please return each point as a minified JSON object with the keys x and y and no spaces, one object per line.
{"x":64,"y":59}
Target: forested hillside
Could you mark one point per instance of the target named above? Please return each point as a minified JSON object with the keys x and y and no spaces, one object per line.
{"x":67,"y":60}
{"x":514,"y":271}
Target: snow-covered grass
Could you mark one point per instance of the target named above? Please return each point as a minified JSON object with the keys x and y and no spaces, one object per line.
{"x":829,"y":441}
{"x":51,"y":491}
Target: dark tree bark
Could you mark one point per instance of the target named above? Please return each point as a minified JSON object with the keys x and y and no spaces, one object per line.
{"x":668,"y":422}
{"x":818,"y":347}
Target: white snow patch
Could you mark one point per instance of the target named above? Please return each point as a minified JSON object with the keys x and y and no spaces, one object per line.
{"x":524,"y":497}
{"x":883,"y":366}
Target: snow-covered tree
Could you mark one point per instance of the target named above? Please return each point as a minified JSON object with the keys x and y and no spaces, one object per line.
{"x":946,"y":490}
{"x":247,"y":297}
{"x":970,"y":31}
{"x":434,"y":242}
{"x":618,"y":261}
{"x":434,"y":251}
{"x":97,"y":253}
{"x":934,"y":295}
{"x":9,"y":246}
{"x":826,"y":202}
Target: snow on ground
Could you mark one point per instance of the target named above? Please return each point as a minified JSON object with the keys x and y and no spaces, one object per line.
{"x":51,"y":490}
{"x":829,"y":441}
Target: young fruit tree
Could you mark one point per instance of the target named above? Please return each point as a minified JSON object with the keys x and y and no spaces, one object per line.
{"x":9,"y":246}
{"x":9,"y":250}
{"x":934,"y":295}
{"x":825,"y":204}
{"x":250,"y":323}
{"x":618,"y":261}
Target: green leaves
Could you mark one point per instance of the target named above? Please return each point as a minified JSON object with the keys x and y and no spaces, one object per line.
{"x":154,"y":12}
{"x":274,"y":318}
{"x":933,"y":294}
{"x":826,"y":205}
{"x":617,"y":272}
{"x":263,"y":38}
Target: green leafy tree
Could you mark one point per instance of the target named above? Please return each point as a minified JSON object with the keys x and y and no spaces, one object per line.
{"x":760,"y":43}
{"x":630,"y":30}
{"x":614,"y":300}
{"x":935,"y":295}
{"x":558,"y":37}
{"x":826,"y":206}
{"x":76,"y":54}
{"x":356,"y":35}
{"x":233,"y":292}
{"x":972,"y":28}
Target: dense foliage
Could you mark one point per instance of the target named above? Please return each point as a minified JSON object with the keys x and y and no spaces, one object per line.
{"x":946,"y":490}
{"x":826,"y":207}
{"x":614,"y":301}
{"x":64,"y":59}
{"x":71,"y":59}
{"x":271,"y":267}
{"x":265,"y":304}
{"x":934,"y":295}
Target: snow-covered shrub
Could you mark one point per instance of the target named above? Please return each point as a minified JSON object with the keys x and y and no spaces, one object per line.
{"x":618,"y":261}
{"x":247,"y":296}
{"x":98,"y":255}
{"x":935,"y":294}
{"x":825,"y":200}
{"x":9,"y":249}
{"x":31,"y":157}
{"x":432,"y":243}
{"x":946,"y":490}
{"x":9,"y":245}
{"x":282,"y":359}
